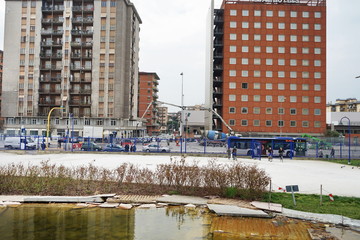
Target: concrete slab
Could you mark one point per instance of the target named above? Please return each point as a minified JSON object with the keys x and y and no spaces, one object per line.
{"x":62,"y":199}
{"x":109,"y":205}
{"x":273,"y":207}
{"x":182,"y":200}
{"x":227,"y":210}
{"x":12,"y":198}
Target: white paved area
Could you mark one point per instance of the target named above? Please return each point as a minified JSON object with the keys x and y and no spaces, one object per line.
{"x":337,"y":179}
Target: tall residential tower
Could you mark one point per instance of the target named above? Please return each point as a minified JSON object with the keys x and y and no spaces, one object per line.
{"x":267,"y":67}
{"x":78,"y":55}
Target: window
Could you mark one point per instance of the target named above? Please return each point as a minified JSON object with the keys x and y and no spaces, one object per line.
{"x":232,"y":110}
{"x":233,"y":36}
{"x":244,"y":110}
{"x":305,"y":26}
{"x":269,"y":25}
{"x":292,"y":111}
{"x":281,"y":62}
{"x":244,"y":122}
{"x":317,"y":87}
{"x":268,"y":98}
{"x":293,"y":75}
{"x":317,"y":124}
{"x":256,"y":85}
{"x":293,"y":62}
{"x":281,"y":49}
{"x":293,"y":99}
{"x":305,"y":38}
{"x":317,"y":111}
{"x":306,"y":14}
{"x":245,"y":61}
{"x":305,"y":62}
{"x":232,"y":85}
{"x":244,"y":98}
{"x":293,"y":26}
{"x":232,"y":73}
{"x":257,"y":49}
{"x":245,"y":49}
{"x":281,"y":25}
{"x":257,"y":98}
{"x":244,"y":85}
{"x":317,"y":14}
{"x":268,"y":123}
{"x":232,"y":60}
{"x":305,"y":124}
{"x":293,"y":87}
{"x":269,"y":49}
{"x":317,"y":63}
{"x":317,"y":50}
{"x":293,"y":38}
{"x":232,"y":48}
{"x":280,"y":123}
{"x":269,"y":74}
{"x":269,"y":37}
{"x":257,"y":61}
{"x":281,"y":111}
{"x":232,"y":122}
{"x":317,"y":26}
{"x":293,"y":14}
{"x":317,"y":75}
{"x":245,"y":24}
{"x":305,"y":50}
{"x":257,"y":13}
{"x":305,"y":99}
{"x":317,"y":99}
{"x":256,"y":123}
{"x":269,"y":62}
{"x":269,"y":86}
{"x":244,"y":73}
{"x":232,"y":98}
{"x":293,"y":50}
{"x":281,"y":74}
{"x":245,"y":37}
{"x":245,"y":13}
{"x":269,"y":13}
{"x":257,"y":25}
{"x":281,"y":38}
{"x":305,"y":74}
{"x":256,"y":110}
{"x":103,"y":3}
{"x":233,"y":12}
{"x":281,"y":13}
{"x":305,"y":87}
{"x":281,"y":98}
{"x":292,"y":123}
{"x":317,"y":38}
{"x":233,"y":24}
{"x":257,"y":37}
{"x":281,"y":86}
{"x":257,"y":74}
{"x":268,"y":110}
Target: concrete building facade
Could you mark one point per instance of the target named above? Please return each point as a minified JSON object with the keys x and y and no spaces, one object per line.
{"x":1,"y":76}
{"x":267,"y":67}
{"x":80,"y":57}
{"x":148,"y":108}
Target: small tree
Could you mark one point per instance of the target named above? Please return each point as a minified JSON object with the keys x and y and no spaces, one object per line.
{"x":330,"y":133}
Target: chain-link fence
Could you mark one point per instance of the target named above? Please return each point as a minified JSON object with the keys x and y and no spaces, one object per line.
{"x":320,"y":148}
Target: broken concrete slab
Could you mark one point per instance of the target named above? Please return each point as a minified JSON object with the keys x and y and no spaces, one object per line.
{"x":125,"y":206}
{"x":273,"y":207}
{"x":109,"y":205}
{"x":227,"y":210}
{"x":10,"y":203}
{"x":12,"y":198}
{"x":182,"y":200}
{"x":63,"y":199}
{"x":146,"y":206}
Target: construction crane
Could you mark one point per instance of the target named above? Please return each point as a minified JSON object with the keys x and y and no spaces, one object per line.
{"x":231,"y":131}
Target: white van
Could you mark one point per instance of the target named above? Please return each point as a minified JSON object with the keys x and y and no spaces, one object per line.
{"x":14,"y":143}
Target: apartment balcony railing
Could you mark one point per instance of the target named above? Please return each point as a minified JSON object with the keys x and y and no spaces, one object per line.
{"x":52,"y":20}
{"x":53,"y":8}
{"x":46,"y":55}
{"x":83,"y":20}
{"x":79,"y":103}
{"x":51,"y":67}
{"x":86,"y":8}
{"x":80,"y":91}
{"x":81,"y":44}
{"x":83,"y":68}
{"x":50,"y":91}
{"x":83,"y":80}
{"x":49,"y":102}
{"x":81,"y":32}
{"x":51,"y":32}
{"x":53,"y":79}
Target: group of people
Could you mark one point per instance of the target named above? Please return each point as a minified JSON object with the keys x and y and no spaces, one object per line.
{"x":332,"y":153}
{"x":131,"y":148}
{"x":232,"y":152}
{"x":271,"y":154}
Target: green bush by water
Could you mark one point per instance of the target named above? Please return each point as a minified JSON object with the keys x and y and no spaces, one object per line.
{"x":345,"y":206}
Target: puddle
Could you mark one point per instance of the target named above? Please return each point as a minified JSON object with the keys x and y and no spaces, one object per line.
{"x":65,"y":221}
{"x":344,"y":234}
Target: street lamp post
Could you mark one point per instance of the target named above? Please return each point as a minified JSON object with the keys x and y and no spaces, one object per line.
{"x":349,"y":160}
{"x":182,"y":105}
{"x":48,"y":125}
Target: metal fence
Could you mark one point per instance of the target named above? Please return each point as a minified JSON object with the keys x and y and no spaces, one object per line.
{"x":337,"y":148}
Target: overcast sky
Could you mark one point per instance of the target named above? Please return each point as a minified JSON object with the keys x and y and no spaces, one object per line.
{"x":173,"y":37}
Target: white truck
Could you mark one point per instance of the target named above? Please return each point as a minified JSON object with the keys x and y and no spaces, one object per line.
{"x":15,"y":143}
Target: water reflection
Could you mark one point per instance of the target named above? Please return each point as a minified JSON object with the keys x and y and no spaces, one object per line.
{"x":57,"y":222}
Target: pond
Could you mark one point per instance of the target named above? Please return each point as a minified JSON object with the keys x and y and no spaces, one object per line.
{"x":70,"y":222}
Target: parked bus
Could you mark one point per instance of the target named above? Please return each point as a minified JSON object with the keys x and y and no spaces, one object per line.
{"x":257,"y":146}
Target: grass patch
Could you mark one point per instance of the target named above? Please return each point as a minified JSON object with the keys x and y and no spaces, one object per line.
{"x":353,"y":162}
{"x":346,"y":206}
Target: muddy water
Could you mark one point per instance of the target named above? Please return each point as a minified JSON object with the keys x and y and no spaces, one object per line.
{"x":68,"y":222}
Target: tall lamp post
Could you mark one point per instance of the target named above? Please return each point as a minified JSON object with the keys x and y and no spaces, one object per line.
{"x":349,"y":160}
{"x":182,"y":105}
{"x":48,"y":125}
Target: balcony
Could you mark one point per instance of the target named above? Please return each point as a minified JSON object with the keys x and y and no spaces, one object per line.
{"x":87,"y":8}
{"x":80,"y":68}
{"x":48,"y":79}
{"x":50,"y":102}
{"x":51,"y":55}
{"x":80,"y":80}
{"x":218,"y":43}
{"x":52,"y":21}
{"x":79,"y":103}
{"x":81,"y":91}
{"x":81,"y":20}
{"x":218,"y":31}
{"x":51,"y":68}
{"x":51,"y":32}
{"x":49,"y":91}
{"x":82,"y":32}
{"x":56,"y":8}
